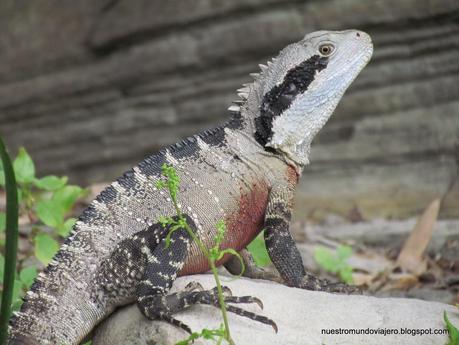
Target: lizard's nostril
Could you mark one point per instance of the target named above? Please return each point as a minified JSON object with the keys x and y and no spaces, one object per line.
{"x":358,"y":34}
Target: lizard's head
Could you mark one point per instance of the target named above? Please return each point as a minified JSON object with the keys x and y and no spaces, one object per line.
{"x":299,"y":90}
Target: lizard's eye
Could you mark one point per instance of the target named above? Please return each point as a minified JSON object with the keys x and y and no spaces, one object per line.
{"x":326,"y":49}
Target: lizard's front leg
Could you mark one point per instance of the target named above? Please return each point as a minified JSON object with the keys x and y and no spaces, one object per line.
{"x":163,"y":265}
{"x":282,"y":249}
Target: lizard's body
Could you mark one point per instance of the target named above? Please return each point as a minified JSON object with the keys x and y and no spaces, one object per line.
{"x":241,"y":172}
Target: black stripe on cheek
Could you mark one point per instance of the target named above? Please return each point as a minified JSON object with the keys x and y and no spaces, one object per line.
{"x":295,"y":82}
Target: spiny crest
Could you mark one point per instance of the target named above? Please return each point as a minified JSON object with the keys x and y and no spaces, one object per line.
{"x":263,"y":69}
{"x":243,"y":92}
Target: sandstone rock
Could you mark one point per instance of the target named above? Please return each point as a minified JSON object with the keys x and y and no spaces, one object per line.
{"x":388,"y":233}
{"x":92,"y":88}
{"x":300,"y":315}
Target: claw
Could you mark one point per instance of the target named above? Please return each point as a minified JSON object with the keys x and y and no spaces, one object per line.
{"x":259,"y":302}
{"x":209,"y":297}
{"x":189,"y":331}
{"x":227,"y":290}
{"x":244,"y":299}
{"x":252,"y":316}
{"x":274,"y":326}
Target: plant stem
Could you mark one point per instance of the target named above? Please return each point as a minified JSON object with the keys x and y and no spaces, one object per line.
{"x":213,"y":268}
{"x":11,"y":241}
{"x":221,"y":301}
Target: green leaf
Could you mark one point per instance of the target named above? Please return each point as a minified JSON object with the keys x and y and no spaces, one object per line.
{"x":205,"y":333}
{"x":172,"y":180}
{"x":17,"y":294}
{"x":210,"y":333}
{"x":16,"y":305}
{"x":258,"y":250}
{"x":27,"y":276}
{"x":20,"y":197}
{"x":64,"y":229}
{"x":50,"y":212}
{"x":165,"y":221}
{"x":345,"y":273}
{"x":50,"y":182}
{"x":45,"y":248}
{"x":2,"y":221}
{"x":344,"y":252}
{"x":160,"y":184}
{"x":67,"y":196}
{"x":452,"y":330}
{"x":24,"y":167}
{"x":326,"y":259}
{"x":17,"y":290}
{"x":335,"y":262}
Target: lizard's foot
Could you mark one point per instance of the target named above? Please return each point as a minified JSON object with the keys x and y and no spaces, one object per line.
{"x":210,"y":297}
{"x":311,"y":282}
{"x":160,"y":307}
{"x":163,"y":307}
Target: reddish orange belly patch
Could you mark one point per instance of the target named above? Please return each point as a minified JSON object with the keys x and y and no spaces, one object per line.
{"x":242,"y":226}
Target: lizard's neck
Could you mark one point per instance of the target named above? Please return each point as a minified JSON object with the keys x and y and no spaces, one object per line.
{"x":246,"y":119}
{"x":240,"y":139}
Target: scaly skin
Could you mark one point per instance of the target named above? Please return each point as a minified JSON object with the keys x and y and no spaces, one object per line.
{"x":244,"y":172}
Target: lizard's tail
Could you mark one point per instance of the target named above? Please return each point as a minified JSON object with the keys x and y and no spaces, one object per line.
{"x":61,"y":307}
{"x":55,"y":311}
{"x":67,"y":301}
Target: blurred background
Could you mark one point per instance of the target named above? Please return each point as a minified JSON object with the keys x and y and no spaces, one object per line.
{"x":92,"y":87}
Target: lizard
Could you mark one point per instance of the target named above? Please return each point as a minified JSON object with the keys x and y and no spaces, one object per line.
{"x":244,"y":172}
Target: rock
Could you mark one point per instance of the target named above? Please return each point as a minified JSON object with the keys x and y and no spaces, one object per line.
{"x":131,"y":77}
{"x":388,"y":233}
{"x":422,"y":293}
{"x":300,"y":315}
